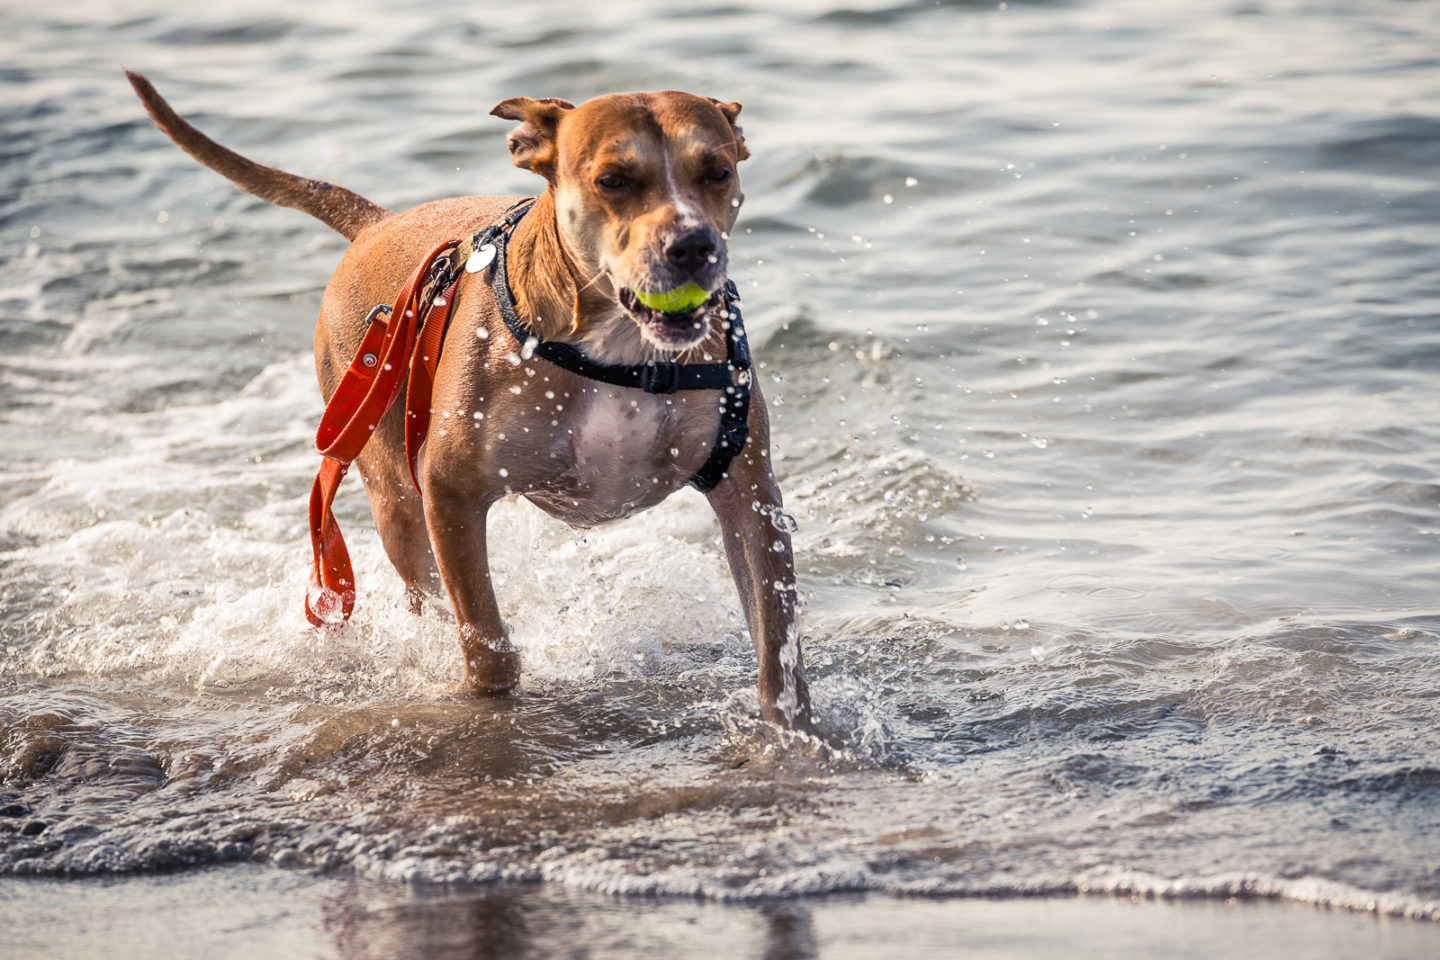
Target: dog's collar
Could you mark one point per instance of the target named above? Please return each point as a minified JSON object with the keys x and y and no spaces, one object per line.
{"x":732,"y":376}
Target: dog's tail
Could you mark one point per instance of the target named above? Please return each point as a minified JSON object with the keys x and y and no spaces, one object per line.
{"x":338,"y":208}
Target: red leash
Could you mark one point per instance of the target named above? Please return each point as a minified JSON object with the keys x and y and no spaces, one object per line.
{"x":389,"y":350}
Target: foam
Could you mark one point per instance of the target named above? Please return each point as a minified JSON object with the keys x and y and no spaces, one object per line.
{"x":596,"y":869}
{"x":183,"y":558}
{"x":1315,"y":891}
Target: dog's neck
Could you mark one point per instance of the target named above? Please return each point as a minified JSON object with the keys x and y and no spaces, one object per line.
{"x":542,"y":277}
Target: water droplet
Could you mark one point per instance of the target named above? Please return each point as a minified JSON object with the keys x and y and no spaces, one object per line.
{"x":783,"y":521}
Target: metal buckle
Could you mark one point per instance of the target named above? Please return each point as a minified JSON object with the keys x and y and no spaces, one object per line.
{"x":660,"y":377}
{"x":375,"y":314}
{"x":439,"y":274}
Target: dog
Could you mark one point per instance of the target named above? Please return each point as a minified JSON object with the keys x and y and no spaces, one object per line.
{"x":641,"y":191}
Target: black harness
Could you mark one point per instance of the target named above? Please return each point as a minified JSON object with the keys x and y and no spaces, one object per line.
{"x":732,"y":376}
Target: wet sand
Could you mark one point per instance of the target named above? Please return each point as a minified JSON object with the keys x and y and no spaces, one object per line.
{"x":253,"y":911}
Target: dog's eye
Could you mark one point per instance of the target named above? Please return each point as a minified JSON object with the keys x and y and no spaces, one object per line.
{"x":717,"y":175}
{"x":611,"y":181}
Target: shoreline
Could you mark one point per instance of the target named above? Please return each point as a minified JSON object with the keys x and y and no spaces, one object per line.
{"x":251,"y":910}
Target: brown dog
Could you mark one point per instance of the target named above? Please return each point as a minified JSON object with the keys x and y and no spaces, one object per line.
{"x":641,"y":191}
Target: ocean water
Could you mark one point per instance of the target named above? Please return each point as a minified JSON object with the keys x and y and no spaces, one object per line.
{"x":1101,"y":341}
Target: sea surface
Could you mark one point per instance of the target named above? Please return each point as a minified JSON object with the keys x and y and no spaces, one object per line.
{"x":1101,"y":340}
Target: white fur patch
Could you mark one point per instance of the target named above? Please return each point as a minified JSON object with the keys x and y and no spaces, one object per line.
{"x":687,"y":213}
{"x":615,"y":444}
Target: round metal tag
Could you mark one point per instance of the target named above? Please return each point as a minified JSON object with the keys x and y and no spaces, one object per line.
{"x":481,"y":258}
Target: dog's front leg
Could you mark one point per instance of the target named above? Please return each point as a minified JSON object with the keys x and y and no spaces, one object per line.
{"x":757,"y":544}
{"x":456,"y":520}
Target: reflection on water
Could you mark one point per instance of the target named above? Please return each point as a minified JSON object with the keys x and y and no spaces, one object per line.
{"x":1099,"y":340}
{"x":492,"y":923}
{"x":510,"y":921}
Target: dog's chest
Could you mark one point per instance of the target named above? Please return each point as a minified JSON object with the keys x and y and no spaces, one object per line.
{"x":617,"y":455}
{"x":616,"y":430}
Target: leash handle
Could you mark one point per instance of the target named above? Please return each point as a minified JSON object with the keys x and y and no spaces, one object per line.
{"x":364,"y":394}
{"x":421,"y":387}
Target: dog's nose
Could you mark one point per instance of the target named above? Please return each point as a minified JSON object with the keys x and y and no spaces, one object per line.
{"x":693,"y":249}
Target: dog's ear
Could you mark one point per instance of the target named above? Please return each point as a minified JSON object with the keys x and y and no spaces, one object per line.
{"x":532,"y":144}
{"x":731,"y":111}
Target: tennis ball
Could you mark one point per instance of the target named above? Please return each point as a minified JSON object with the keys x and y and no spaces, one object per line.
{"x":682,"y":299}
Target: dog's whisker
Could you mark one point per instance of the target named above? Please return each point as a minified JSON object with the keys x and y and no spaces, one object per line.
{"x":592,"y":281}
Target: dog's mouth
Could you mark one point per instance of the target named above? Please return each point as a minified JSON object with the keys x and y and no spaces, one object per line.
{"x":671,"y":331}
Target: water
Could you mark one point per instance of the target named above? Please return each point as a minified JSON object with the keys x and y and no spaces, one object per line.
{"x":1100,"y":341}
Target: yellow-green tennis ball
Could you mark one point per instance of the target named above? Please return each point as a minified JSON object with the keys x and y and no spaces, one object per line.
{"x":682,"y":299}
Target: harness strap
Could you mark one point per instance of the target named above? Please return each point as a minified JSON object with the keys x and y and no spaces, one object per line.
{"x":734,"y":408}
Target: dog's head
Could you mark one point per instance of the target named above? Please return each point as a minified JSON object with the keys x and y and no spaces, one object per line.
{"x":646,"y":191}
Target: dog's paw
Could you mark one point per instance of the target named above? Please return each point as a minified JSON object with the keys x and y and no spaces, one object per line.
{"x":491,"y":666}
